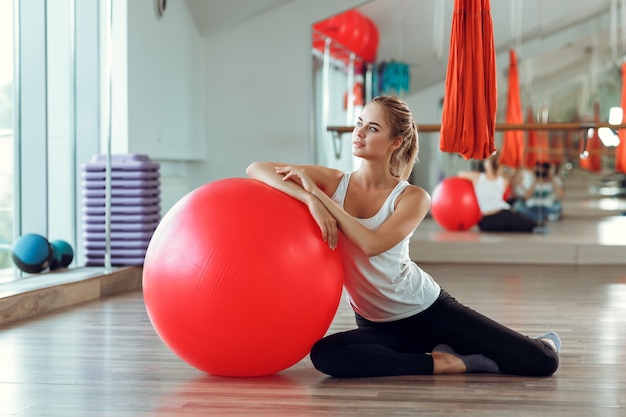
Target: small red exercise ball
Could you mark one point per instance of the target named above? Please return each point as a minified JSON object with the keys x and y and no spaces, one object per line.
{"x":454,"y":205}
{"x":237,"y":280}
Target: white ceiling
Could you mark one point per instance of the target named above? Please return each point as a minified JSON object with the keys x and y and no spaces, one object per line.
{"x":215,"y":15}
{"x":561,"y":44}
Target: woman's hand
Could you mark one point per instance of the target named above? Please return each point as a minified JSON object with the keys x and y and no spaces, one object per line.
{"x":321,"y":215}
{"x":298,"y":176}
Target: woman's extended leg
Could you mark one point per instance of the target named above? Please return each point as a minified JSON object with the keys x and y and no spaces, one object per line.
{"x":469,"y":332}
{"x":402,"y":347}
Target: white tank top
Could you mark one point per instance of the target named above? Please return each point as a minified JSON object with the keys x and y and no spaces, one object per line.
{"x":388,"y":286}
{"x":490,"y":194}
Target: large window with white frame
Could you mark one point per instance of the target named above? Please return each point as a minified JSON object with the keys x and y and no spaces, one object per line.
{"x":49,"y":106}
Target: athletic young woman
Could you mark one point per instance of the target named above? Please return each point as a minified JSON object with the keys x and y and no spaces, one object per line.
{"x":406,"y":324}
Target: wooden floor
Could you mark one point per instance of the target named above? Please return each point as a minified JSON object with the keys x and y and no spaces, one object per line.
{"x":103,"y":358}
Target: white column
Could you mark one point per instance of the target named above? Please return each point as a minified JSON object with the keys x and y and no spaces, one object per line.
{"x":60,"y":96}
{"x":87,"y":100}
{"x":32,"y":121}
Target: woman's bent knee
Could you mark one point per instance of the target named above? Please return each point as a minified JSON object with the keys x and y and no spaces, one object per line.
{"x":321,"y":358}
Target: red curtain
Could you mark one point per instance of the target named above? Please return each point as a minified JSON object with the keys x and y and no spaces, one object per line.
{"x":593,"y":161}
{"x":620,"y":151}
{"x":470,"y":99}
{"x":513,"y":140}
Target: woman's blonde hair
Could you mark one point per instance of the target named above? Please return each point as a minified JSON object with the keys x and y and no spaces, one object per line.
{"x":400,"y":120}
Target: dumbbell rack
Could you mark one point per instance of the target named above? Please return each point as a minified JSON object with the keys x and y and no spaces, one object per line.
{"x":135,"y":208}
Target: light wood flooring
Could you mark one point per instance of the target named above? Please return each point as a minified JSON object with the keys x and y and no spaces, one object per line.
{"x":103,"y":358}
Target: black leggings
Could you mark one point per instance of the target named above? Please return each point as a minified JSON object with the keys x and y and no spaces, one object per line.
{"x":506,"y":221}
{"x":402,"y":347}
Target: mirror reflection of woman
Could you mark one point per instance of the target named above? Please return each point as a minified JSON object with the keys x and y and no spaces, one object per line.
{"x":490,"y":187}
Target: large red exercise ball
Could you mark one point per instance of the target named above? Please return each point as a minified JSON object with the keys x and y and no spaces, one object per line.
{"x":351,"y":31}
{"x":367,"y":45}
{"x":237,"y":280}
{"x":331,"y":26}
{"x":454,"y":205}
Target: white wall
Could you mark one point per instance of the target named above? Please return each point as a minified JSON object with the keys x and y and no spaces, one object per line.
{"x":165,"y":82}
{"x":158,"y":90}
{"x":258,"y":86}
{"x":205,"y":108}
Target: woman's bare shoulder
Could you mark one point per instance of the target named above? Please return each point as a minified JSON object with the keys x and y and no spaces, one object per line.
{"x":414,"y":194}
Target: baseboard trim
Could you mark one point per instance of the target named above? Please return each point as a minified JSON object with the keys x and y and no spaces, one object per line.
{"x":34,"y":296}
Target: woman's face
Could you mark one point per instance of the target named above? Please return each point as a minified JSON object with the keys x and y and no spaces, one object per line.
{"x":370,"y":136}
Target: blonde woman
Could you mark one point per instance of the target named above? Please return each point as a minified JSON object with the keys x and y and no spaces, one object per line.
{"x":406,"y":324}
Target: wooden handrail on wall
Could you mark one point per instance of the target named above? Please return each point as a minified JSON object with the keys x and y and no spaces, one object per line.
{"x":338,"y":131}
{"x":508,"y":126}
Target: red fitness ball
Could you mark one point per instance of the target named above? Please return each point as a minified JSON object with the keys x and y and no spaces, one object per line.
{"x":237,"y":280}
{"x":454,"y":205}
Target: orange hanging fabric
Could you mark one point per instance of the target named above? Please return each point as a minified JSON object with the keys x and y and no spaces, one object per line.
{"x":593,"y":160}
{"x":620,"y":150}
{"x":513,"y":141}
{"x":470,"y":100}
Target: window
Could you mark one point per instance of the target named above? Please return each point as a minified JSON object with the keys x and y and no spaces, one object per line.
{"x":7,"y":157}
{"x":38,"y":152}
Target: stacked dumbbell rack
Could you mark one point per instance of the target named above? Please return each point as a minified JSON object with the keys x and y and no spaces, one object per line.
{"x":135,"y":208}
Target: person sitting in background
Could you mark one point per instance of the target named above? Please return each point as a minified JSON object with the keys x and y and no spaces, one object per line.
{"x":490,"y":187}
{"x":521,"y":180}
{"x":542,"y":199}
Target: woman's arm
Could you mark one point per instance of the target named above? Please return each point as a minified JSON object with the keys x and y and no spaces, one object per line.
{"x":327,"y":178}
{"x":411,"y":208}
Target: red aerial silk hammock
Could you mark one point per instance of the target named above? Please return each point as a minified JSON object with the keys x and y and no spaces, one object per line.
{"x":469,"y":107}
{"x":593,"y":160}
{"x":513,"y":141}
{"x":537,"y":144}
{"x":620,"y":151}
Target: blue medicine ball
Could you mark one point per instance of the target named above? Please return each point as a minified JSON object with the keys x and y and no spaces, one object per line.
{"x":62,"y":254}
{"x":32,"y":253}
